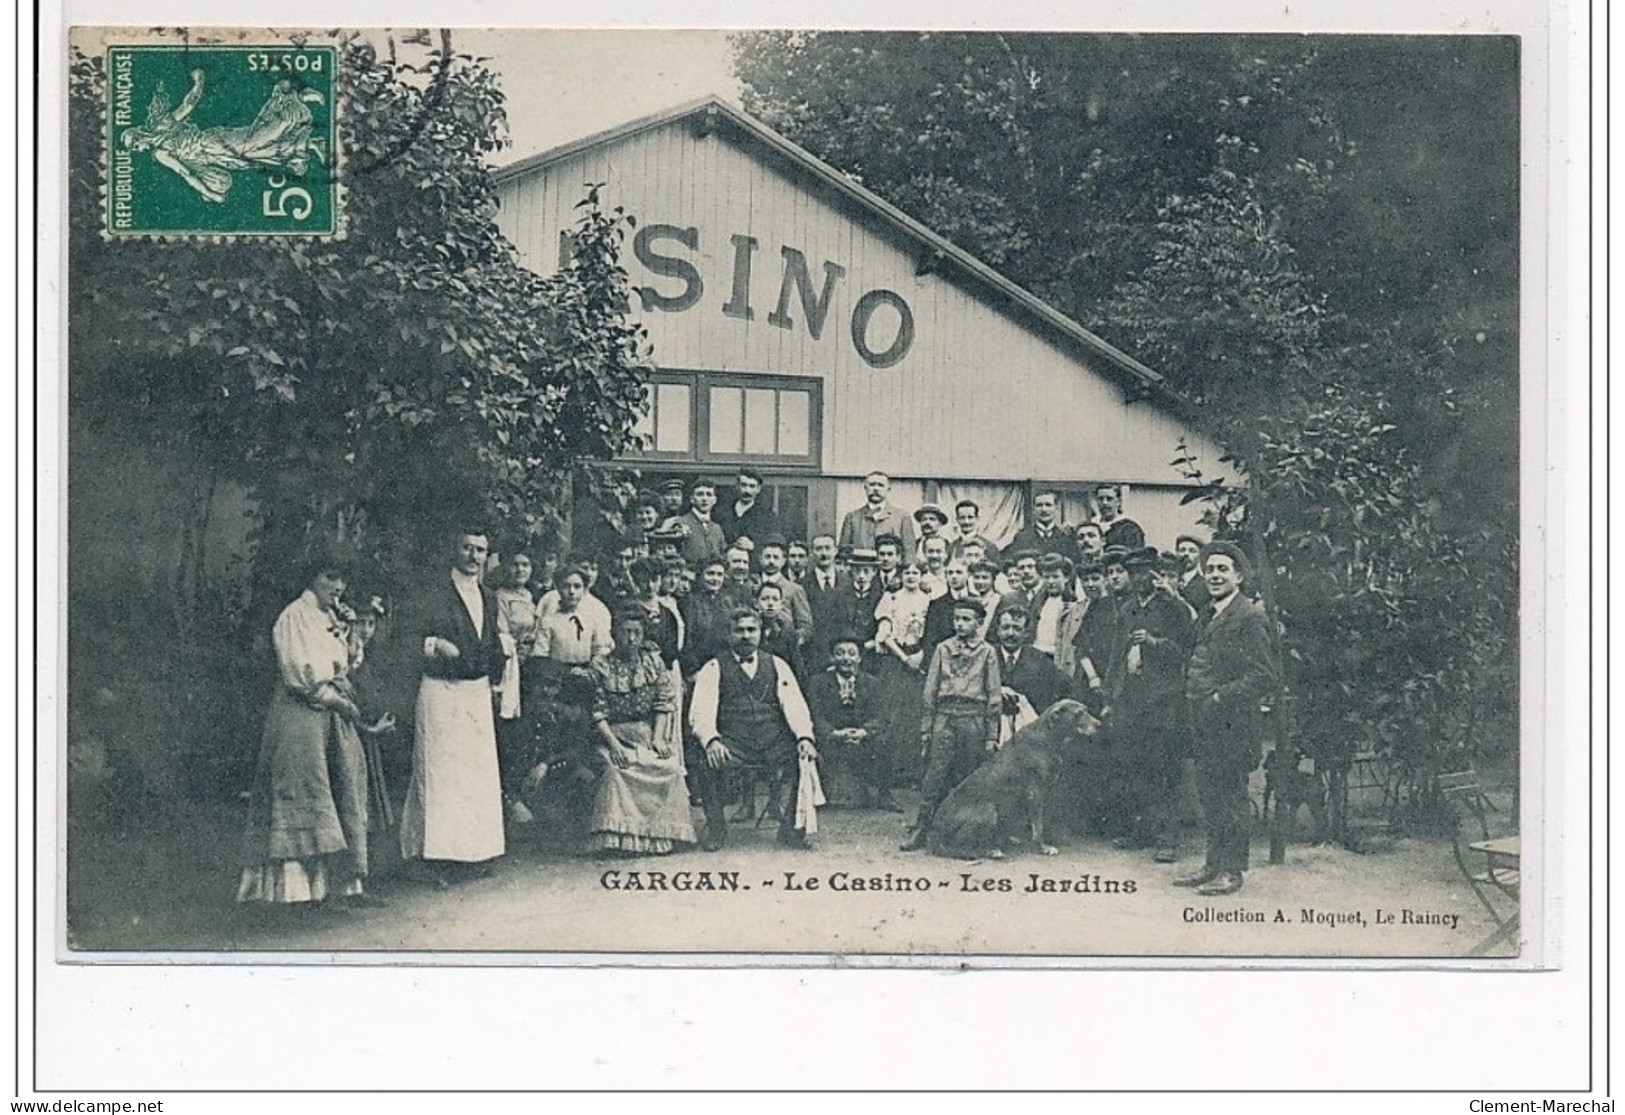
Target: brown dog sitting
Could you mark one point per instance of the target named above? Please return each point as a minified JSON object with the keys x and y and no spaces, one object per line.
{"x":1004,"y":798}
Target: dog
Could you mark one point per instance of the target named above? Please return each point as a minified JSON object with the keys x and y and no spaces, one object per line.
{"x":1004,"y":798}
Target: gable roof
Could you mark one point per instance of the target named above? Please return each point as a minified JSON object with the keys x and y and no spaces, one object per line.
{"x":938,"y":254}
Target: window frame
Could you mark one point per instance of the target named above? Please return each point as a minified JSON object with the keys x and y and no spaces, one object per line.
{"x":699,"y":452}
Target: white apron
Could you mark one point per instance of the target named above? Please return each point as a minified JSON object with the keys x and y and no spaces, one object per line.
{"x":453,"y":809}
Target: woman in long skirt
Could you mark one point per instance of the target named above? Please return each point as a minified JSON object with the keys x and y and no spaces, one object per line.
{"x":306,"y":838}
{"x":640,"y":806}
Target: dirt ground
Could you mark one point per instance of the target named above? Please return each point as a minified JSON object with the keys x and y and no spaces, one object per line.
{"x":135,"y":889}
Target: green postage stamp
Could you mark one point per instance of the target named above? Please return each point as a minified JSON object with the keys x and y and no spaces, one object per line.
{"x":221,"y":141}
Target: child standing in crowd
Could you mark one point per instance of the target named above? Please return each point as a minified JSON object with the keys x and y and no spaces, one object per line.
{"x":778,"y":633}
{"x":960,"y":713}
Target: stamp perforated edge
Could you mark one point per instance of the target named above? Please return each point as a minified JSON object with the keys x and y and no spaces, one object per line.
{"x":274,"y":41}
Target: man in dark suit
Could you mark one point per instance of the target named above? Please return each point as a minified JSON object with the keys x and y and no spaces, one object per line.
{"x":1146,"y":679}
{"x":1046,"y":534}
{"x":846,"y":710}
{"x":1233,"y":670}
{"x":1119,"y":529}
{"x":748,"y":516}
{"x":859,"y":599}
{"x":939,"y":616}
{"x":823,"y":585}
{"x":1192,"y":586}
{"x":452,"y":818}
{"x":1025,"y":581}
{"x":968,"y":518}
{"x":703,"y":538}
{"x":1023,"y":670}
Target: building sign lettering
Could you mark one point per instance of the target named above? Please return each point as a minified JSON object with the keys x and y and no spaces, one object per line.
{"x":666,"y":252}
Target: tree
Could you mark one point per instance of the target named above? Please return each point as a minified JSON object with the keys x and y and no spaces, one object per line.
{"x":411,"y":369}
{"x":365,"y":392}
{"x":1241,"y":214}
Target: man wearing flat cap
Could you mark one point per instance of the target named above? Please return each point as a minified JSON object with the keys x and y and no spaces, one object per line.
{"x":1233,"y":671}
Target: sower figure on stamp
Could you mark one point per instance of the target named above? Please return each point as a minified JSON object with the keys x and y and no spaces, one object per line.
{"x":453,"y":813}
{"x":960,"y":725}
{"x":1233,"y":669}
{"x":748,"y":711}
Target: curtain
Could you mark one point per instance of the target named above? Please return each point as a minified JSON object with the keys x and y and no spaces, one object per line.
{"x":1003,"y":507}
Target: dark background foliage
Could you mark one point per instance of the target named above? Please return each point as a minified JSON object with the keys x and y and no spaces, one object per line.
{"x":363,"y":396}
{"x":1316,"y":241}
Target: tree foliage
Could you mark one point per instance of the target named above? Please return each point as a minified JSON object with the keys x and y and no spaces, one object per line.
{"x":410,"y":373}
{"x":1313,"y":239}
{"x":367,"y":393}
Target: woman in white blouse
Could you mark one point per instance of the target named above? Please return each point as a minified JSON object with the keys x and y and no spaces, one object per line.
{"x":306,"y":839}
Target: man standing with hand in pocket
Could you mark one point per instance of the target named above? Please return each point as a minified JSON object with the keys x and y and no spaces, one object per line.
{"x":1233,"y":670}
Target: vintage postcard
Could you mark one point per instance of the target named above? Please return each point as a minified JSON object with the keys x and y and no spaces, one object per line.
{"x":759,"y":497}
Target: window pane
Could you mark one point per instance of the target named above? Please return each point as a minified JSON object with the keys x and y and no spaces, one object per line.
{"x":726,"y":406}
{"x":761,"y":423}
{"x":795,"y":432}
{"x":672,"y":405}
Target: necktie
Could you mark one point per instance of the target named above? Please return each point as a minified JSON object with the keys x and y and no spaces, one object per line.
{"x":580,"y":631}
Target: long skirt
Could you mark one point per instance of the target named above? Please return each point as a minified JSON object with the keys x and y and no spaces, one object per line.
{"x":453,"y":807}
{"x":306,"y":837}
{"x":643,"y":808}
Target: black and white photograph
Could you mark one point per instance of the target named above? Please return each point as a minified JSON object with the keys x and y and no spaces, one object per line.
{"x":849,"y":493}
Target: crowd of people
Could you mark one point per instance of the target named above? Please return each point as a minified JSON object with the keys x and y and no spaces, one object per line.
{"x":702,"y":656}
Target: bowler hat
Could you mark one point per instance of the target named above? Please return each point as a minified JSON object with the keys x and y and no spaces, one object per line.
{"x":931,"y":509}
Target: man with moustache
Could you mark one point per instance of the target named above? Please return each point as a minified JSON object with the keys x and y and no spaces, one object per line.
{"x":1025,"y":581}
{"x":452,"y":819}
{"x":1091,"y":541}
{"x":968,"y":521}
{"x":747,"y":710}
{"x":1233,"y":670}
{"x":860,"y":599}
{"x":749,"y":516}
{"x":1024,"y":671}
{"x":823,"y":585}
{"x":864,"y":527}
{"x":1119,"y":529}
{"x":1192,"y":585}
{"x":772,"y":557}
{"x":1046,"y":534}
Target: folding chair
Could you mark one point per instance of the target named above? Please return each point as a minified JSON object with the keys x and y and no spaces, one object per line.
{"x":1489,"y":864}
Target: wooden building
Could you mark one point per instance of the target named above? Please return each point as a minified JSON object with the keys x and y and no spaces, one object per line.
{"x":805,"y":326}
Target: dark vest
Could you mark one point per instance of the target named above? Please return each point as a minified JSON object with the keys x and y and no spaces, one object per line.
{"x":749,"y":718}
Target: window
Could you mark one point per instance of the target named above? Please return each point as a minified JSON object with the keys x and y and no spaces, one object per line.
{"x":717,"y":417}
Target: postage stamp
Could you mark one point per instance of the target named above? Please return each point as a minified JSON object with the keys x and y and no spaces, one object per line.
{"x":221,"y":141}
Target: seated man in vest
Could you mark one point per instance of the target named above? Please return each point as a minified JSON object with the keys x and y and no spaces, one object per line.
{"x":748,"y":711}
